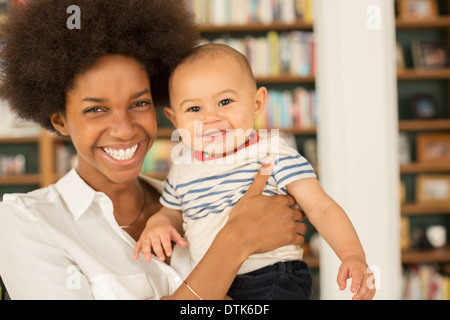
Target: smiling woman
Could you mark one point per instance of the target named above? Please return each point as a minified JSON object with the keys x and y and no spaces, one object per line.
{"x":99,"y":85}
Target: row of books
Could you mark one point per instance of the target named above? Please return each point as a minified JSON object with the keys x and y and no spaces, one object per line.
{"x":426,"y":282}
{"x":240,"y":12}
{"x":288,"y":109}
{"x":276,"y":53}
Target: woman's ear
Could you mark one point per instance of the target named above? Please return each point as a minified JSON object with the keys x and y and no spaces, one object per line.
{"x":259,"y":102}
{"x":170,"y":115}
{"x":59,"y":123}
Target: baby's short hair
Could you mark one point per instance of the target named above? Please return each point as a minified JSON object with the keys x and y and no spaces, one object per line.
{"x":219,"y":50}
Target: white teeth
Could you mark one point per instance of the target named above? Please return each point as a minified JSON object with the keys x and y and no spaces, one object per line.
{"x":121,"y":154}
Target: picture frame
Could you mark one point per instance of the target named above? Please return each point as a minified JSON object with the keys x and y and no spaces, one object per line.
{"x":433,"y":189}
{"x":433,"y":148}
{"x":400,"y":57}
{"x":423,"y":106}
{"x":429,"y":54}
{"x":417,"y":9}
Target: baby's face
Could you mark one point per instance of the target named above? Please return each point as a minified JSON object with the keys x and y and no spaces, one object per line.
{"x":214,"y":104}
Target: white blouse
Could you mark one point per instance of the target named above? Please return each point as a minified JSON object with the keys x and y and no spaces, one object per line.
{"x":62,"y":242}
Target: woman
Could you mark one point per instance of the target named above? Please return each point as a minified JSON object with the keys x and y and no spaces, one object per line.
{"x":99,"y":86}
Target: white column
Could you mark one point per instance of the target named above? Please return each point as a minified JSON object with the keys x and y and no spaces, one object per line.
{"x":358,"y":133}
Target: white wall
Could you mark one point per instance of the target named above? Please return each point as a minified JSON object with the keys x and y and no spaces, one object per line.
{"x":358,"y":131}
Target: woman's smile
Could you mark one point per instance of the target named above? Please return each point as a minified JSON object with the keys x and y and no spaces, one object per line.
{"x":121,"y":154}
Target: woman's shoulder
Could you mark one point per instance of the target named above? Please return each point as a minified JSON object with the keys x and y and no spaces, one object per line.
{"x":26,"y":204}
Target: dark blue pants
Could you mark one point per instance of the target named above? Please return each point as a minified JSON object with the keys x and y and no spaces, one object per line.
{"x":289,"y":280}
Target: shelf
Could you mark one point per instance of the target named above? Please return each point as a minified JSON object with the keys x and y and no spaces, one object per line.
{"x":25,"y":179}
{"x":424,"y":167}
{"x":19,"y":140}
{"x":285,"y":79}
{"x":424,"y":125}
{"x":424,"y":74}
{"x":442,"y":21}
{"x":424,"y":209}
{"x":426,"y":256}
{"x":256,"y":27}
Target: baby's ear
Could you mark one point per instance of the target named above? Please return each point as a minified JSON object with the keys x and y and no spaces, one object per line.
{"x":59,"y":123}
{"x":259,"y":101}
{"x":170,"y":115}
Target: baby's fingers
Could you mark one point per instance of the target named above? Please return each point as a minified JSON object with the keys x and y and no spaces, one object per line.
{"x":146,"y":250}
{"x":157,"y":248}
{"x":177,"y":238}
{"x":357,"y":281}
{"x":137,"y":250}
{"x":366,"y":290}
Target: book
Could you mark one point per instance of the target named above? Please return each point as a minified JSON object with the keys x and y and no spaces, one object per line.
{"x":275,"y":53}
{"x":241,"y":12}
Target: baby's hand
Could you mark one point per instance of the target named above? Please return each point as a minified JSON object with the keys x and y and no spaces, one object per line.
{"x":158,"y":236}
{"x":363,"y":283}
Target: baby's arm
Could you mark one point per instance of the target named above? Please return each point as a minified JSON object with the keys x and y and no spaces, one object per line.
{"x":335,"y":227}
{"x":162,"y":228}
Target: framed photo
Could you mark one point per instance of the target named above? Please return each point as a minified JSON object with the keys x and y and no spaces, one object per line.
{"x":433,"y":148}
{"x":430,"y":54}
{"x":423,"y":106}
{"x":400,"y":57}
{"x":417,"y":9}
{"x":433,"y":189}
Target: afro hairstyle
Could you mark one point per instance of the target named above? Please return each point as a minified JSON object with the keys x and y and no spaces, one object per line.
{"x":41,"y":56}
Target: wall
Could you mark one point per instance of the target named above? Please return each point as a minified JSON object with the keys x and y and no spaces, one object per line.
{"x":358,"y":132}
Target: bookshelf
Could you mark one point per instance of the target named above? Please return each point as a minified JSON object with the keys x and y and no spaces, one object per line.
{"x":436,"y":83}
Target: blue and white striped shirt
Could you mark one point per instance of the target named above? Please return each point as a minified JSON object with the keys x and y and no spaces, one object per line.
{"x":205,"y":192}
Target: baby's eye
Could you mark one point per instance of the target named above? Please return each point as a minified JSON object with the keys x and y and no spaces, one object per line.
{"x":224,"y":102}
{"x":194,"y":109}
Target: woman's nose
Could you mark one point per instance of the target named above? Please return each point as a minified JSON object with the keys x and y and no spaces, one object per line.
{"x":122,"y":126}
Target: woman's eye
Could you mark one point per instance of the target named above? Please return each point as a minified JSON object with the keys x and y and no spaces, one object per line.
{"x":142,"y":104}
{"x":224,"y":102}
{"x":93,"y":110}
{"x":194,"y":109}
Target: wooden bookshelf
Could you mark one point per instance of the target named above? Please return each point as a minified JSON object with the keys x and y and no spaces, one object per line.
{"x":426,"y":256}
{"x":424,"y":125}
{"x":424,"y":74}
{"x":22,"y":179}
{"x":256,"y":27}
{"x":421,"y":29}
{"x":46,"y":154}
{"x":442,"y":21}
{"x":286,"y":79}
{"x":424,"y":209}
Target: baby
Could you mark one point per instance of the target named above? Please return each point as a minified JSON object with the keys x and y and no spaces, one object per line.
{"x":214,"y":101}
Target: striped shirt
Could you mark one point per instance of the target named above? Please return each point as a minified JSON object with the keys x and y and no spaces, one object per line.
{"x":206,"y":191}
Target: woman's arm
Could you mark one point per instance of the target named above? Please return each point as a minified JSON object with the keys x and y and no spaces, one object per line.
{"x":256,"y":224}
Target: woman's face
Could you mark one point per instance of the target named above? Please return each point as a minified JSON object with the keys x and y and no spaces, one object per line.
{"x":111,"y":120}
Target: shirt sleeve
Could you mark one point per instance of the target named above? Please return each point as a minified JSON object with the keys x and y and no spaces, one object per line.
{"x":169,"y":197}
{"x":289,"y":165}
{"x":27,"y":250}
